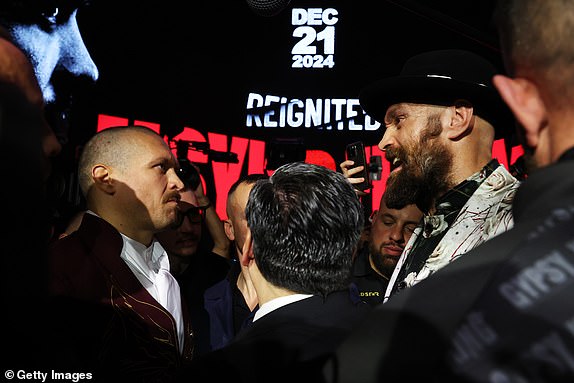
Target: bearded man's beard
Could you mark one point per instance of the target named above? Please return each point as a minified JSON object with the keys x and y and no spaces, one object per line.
{"x":425,"y":172}
{"x":383,"y":263}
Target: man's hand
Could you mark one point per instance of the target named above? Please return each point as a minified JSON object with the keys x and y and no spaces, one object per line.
{"x":349,"y":172}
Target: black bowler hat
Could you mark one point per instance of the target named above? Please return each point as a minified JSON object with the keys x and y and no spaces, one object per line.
{"x":439,"y":78}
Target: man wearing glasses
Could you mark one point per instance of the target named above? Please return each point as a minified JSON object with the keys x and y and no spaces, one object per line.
{"x":197,"y":259}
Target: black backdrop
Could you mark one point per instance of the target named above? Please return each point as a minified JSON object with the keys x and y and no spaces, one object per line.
{"x":193,"y":64}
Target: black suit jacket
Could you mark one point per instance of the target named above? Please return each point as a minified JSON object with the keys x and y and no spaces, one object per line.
{"x":285,"y":343}
{"x":503,"y":312}
{"x":105,"y":321}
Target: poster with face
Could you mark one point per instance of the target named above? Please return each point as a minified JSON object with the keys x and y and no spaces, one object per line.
{"x":244,"y":85}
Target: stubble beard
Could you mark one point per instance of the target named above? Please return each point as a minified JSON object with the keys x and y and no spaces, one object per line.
{"x":383,"y":263}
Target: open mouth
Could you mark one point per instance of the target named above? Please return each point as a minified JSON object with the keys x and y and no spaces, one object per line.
{"x":396,"y":164}
{"x":174,"y":199}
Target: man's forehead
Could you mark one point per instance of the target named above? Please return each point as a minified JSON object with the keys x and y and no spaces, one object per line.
{"x":404,"y":107}
{"x":408,"y":213}
{"x":410,"y":109}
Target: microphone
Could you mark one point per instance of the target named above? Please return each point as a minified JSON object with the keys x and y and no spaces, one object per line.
{"x":267,"y":8}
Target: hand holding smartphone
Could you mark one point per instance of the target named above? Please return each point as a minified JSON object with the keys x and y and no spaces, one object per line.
{"x":356,"y":153}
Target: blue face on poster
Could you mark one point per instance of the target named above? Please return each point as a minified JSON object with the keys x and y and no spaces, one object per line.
{"x":48,"y":32}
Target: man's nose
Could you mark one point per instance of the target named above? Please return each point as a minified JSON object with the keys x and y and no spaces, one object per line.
{"x":388,"y":140}
{"x":74,"y":54}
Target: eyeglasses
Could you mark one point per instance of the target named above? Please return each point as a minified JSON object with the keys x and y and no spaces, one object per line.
{"x":194,"y":214}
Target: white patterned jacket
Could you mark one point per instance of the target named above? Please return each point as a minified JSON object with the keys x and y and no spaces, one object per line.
{"x":487,"y":213}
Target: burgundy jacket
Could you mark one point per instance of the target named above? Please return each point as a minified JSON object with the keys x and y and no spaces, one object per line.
{"x":104,"y":321}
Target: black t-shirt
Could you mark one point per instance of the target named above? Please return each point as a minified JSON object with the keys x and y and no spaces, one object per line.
{"x":370,"y":285}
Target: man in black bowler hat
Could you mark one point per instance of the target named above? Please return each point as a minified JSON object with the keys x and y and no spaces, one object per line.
{"x":501,"y":313}
{"x":441,"y":115}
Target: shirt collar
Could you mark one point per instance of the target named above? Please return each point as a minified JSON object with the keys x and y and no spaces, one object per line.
{"x":146,"y":260}
{"x":450,"y":204}
{"x":276,"y":303}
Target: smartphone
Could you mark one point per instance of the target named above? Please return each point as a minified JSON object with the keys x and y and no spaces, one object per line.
{"x":356,"y":153}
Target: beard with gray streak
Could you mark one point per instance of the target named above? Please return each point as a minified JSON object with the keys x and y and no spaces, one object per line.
{"x":425,"y":172}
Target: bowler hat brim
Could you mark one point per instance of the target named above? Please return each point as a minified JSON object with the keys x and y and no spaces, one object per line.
{"x":376,"y":98}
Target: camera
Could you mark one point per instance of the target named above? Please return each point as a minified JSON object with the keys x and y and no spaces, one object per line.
{"x":188,"y":173}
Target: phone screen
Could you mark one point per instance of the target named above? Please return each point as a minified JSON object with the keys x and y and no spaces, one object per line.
{"x":356,"y":153}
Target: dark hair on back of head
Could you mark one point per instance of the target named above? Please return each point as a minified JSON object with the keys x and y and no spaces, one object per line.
{"x":305,"y":223}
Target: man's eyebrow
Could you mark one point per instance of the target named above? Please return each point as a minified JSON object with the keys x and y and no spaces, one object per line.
{"x":392,"y":113}
{"x":162,"y":160}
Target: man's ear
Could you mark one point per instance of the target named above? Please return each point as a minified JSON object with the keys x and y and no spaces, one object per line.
{"x":523,"y":98}
{"x":228,"y":227}
{"x":461,"y":120}
{"x":247,"y":254}
{"x":102,"y":179}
